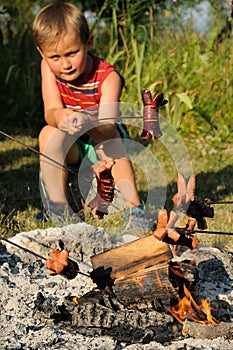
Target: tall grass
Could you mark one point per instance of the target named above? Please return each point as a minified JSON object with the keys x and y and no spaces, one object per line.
{"x":20,"y":91}
{"x":195,"y":76}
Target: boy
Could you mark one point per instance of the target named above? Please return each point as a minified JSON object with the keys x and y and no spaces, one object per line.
{"x":73,"y":81}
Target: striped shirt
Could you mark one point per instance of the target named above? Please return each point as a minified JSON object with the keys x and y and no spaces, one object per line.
{"x":81,"y":95}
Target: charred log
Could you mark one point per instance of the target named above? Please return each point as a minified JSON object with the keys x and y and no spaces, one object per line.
{"x":93,"y":316}
{"x":207,"y":331}
{"x":48,"y":310}
{"x":184,"y":273}
{"x":144,"y":287}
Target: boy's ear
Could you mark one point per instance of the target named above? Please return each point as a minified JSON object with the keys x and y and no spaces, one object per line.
{"x":40,"y":51}
{"x":90,"y":42}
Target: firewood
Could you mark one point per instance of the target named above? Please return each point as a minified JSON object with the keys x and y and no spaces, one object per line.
{"x":208,"y":331}
{"x":140,"y":269}
{"x":135,"y":267}
{"x":126,"y":258}
{"x":144,"y":286}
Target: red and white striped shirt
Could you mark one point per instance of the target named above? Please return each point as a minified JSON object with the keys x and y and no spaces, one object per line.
{"x":86,"y":94}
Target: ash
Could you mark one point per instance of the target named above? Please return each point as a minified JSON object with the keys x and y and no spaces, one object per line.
{"x":23,"y":277}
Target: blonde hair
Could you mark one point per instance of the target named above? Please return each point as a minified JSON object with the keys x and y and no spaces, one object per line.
{"x":55,"y":20}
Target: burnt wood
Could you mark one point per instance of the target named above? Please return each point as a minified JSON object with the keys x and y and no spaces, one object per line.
{"x":208,"y":331}
{"x":145,"y":286}
{"x":142,"y":273}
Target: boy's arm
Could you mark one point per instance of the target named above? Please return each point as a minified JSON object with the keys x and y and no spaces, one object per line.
{"x":55,"y":113}
{"x":111,"y":90}
{"x":65,"y":119}
{"x":109,"y":108}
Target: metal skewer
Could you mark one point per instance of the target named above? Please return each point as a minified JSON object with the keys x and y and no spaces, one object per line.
{"x":37,"y":255}
{"x":23,"y":248}
{"x":213,"y":232}
{"x":184,"y":232}
{"x":221,"y":202}
{"x":37,"y":152}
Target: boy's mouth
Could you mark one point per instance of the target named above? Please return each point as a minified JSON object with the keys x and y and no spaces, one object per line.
{"x":71,"y":72}
{"x":69,"y":75}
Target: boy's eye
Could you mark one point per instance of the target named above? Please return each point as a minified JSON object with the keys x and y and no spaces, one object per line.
{"x":55,"y":58}
{"x":73,"y":53}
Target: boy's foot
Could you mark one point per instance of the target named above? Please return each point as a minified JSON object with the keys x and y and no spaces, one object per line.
{"x":41,"y":217}
{"x":135,"y":219}
{"x":53,"y":212}
{"x":57,"y":215}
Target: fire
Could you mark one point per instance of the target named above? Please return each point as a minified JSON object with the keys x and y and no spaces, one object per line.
{"x":187,"y":308}
{"x":74,"y":299}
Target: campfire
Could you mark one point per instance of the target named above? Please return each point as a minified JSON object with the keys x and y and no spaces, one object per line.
{"x":139,"y":299}
{"x":83,"y":312}
{"x":142,"y":291}
{"x":188,"y":309}
{"x":140,"y":287}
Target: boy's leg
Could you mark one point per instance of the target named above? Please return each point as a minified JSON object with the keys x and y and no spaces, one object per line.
{"x":124,"y":178}
{"x":123,"y":174}
{"x":122,"y":170}
{"x":59,"y":146}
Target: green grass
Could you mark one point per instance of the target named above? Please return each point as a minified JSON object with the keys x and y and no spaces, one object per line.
{"x":21,"y":198}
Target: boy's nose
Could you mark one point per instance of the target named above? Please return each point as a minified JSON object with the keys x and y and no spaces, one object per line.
{"x":66,"y":63}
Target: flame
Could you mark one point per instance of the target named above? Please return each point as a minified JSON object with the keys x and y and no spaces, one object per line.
{"x":74,"y":299}
{"x":187,"y":308}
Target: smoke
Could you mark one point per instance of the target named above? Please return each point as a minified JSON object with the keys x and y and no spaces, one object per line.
{"x":199,"y":15}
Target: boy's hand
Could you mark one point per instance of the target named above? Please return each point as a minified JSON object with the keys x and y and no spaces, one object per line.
{"x":71,"y":124}
{"x":74,"y":122}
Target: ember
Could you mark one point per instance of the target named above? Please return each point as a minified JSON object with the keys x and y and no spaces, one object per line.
{"x":187,"y":308}
{"x":74,"y":299}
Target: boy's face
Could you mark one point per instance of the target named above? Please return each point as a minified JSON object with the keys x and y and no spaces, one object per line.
{"x":68,"y":58}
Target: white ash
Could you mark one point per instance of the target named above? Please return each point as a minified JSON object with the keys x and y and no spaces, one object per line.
{"x":22,"y":276}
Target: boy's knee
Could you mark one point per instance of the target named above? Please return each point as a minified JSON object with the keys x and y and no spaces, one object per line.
{"x":44,"y":136}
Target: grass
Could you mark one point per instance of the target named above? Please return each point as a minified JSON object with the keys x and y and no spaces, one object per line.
{"x":21,"y":198}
